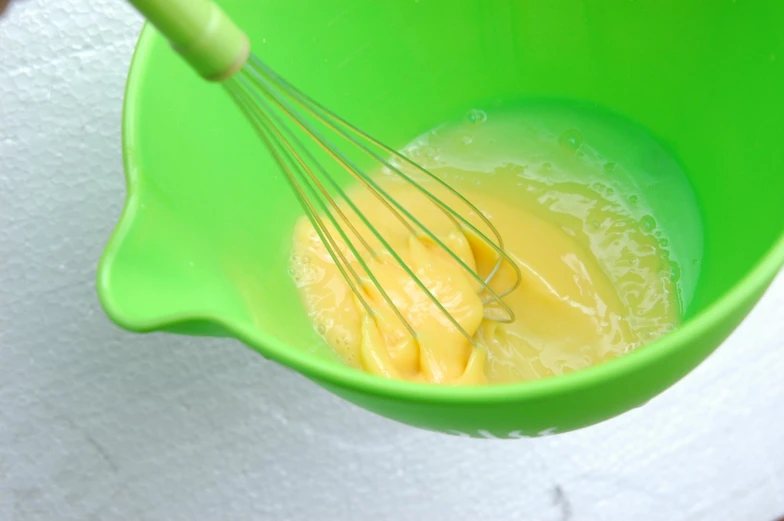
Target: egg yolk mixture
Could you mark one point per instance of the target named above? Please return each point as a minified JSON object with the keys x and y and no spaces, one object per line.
{"x":595,"y":282}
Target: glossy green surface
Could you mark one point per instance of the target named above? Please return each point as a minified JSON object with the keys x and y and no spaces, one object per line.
{"x":202,"y":246}
{"x":200,"y":32}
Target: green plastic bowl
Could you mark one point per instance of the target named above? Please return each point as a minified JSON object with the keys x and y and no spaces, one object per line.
{"x":203,"y":243}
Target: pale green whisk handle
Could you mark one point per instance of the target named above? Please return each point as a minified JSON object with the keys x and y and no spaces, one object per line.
{"x":201,"y":32}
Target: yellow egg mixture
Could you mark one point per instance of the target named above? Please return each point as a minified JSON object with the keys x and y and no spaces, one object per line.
{"x":596,"y":282}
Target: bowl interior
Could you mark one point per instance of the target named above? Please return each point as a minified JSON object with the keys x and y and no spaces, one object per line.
{"x":203,"y":244}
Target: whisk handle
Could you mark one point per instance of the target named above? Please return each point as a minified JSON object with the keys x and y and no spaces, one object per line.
{"x":201,"y":32}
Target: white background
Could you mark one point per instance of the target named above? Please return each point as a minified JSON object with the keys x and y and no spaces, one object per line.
{"x":98,"y":424}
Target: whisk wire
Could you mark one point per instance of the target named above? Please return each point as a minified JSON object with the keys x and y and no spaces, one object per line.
{"x":324,"y":115}
{"x":285,"y":160}
{"x":395,"y":208}
{"x":348,"y":164}
{"x":267,"y":129}
{"x":254,"y":88}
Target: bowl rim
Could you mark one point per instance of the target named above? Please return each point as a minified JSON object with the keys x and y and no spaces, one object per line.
{"x":754,"y":282}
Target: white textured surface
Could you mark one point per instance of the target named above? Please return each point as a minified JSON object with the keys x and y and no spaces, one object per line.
{"x":97,"y":424}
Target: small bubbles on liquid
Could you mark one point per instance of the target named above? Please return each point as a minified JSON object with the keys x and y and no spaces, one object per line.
{"x":667,"y":328}
{"x":571,"y":139}
{"x":466,"y":140}
{"x":633,"y":199}
{"x":547,"y":167}
{"x":647,"y":223}
{"x":609,"y":167}
{"x":695,"y":262}
{"x":609,"y":191}
{"x":675,"y":269}
{"x":476,"y":116}
{"x":663,"y":242}
{"x":431,"y":152}
{"x":321,"y":329}
{"x":595,"y":225}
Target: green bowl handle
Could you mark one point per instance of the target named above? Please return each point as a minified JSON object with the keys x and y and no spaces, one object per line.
{"x":201,"y":32}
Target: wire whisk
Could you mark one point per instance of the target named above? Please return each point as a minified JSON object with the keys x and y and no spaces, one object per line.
{"x":281,"y":113}
{"x":316,"y":148}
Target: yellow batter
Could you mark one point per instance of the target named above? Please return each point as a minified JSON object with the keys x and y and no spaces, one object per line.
{"x":573,"y":310}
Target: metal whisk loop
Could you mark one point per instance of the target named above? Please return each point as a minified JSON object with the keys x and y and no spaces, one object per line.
{"x":389,"y":202}
{"x":255,"y":90}
{"x":326,"y":117}
{"x":329,"y":119}
{"x":287,"y":158}
{"x":303,"y":166}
